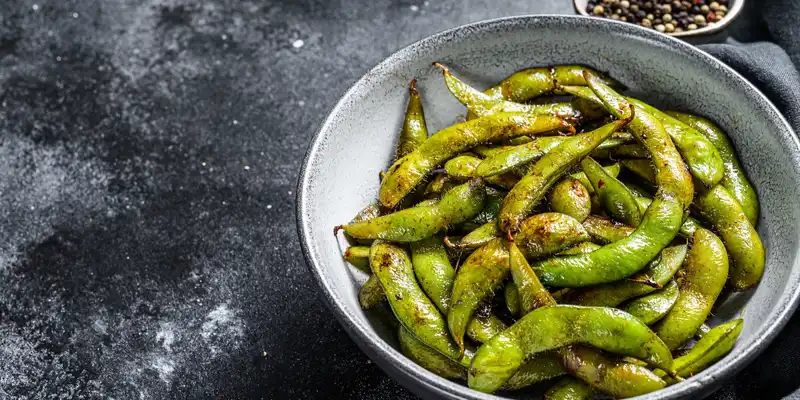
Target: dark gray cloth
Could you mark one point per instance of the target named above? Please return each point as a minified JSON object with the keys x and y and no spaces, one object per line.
{"x":772,"y":67}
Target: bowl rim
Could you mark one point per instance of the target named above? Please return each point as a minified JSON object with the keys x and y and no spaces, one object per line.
{"x":733,"y":12}
{"x":367,"y":339}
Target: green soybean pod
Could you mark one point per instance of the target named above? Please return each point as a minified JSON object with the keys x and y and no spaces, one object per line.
{"x":706,"y":269}
{"x":557,"y":326}
{"x":410,"y":225}
{"x":570,"y":197}
{"x":477,"y":238}
{"x":658,"y":272}
{"x":569,"y":388}
{"x":745,"y":249}
{"x":476,"y":280}
{"x":415,"y":131}
{"x":511,"y":295}
{"x":435,"y":276}
{"x":549,"y":233}
{"x":531,"y":293}
{"x":709,"y":349}
{"x":517,"y":156}
{"x":427,"y":357}
{"x":690,"y":225}
{"x":494,"y":198}
{"x":392,"y":267}
{"x":612,"y":169}
{"x":371,"y":293}
{"x":526,"y":194}
{"x":542,"y":367}
{"x":372,"y":210}
{"x":358,"y":256}
{"x":465,"y":167}
{"x":603,"y":230}
{"x":651,"y":308}
{"x":580,"y":248}
{"x":734,"y":179}
{"x":406,"y":173}
{"x":612,"y":194}
{"x":617,"y":378}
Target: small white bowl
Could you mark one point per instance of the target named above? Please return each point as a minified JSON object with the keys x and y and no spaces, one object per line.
{"x":734,"y":9}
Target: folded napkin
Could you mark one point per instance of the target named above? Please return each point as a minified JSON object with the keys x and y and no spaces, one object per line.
{"x":772,"y":67}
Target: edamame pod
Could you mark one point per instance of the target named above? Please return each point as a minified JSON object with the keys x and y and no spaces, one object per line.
{"x":435,"y":275}
{"x":558,"y":326}
{"x":527,"y":193}
{"x":658,"y":272}
{"x":358,"y":256}
{"x":746,"y":252}
{"x":734,"y":179}
{"x":570,"y":197}
{"x":481,"y":104}
{"x":617,"y":378}
{"x":476,"y":280}
{"x":549,"y":233}
{"x":415,"y":131}
{"x":371,"y":293}
{"x":427,"y":357}
{"x":613,"y":170}
{"x":605,"y":231}
{"x":511,"y":295}
{"x":372,"y":210}
{"x":477,"y":238}
{"x":612,"y":194}
{"x":533,"y":82}
{"x":407,"y":172}
{"x":660,"y":224}
{"x":622,"y":151}
{"x":713,"y":346}
{"x":465,"y":167}
{"x":514,"y":157}
{"x":392,"y":267}
{"x":441,"y":183}
{"x":569,"y":388}
{"x":580,"y":248}
{"x":532,"y":294}
{"x":706,"y":269}
{"x":651,"y":308}
{"x":456,"y":206}
{"x":542,"y":367}
{"x":690,"y":225}
{"x":489,"y":212}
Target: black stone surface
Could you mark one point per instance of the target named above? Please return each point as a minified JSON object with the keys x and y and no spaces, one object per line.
{"x":149,"y":152}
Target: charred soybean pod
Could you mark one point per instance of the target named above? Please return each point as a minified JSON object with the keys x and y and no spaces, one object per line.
{"x":660,"y":223}
{"x":651,"y":308}
{"x":392,"y":267}
{"x":427,"y":357}
{"x":465,"y":167}
{"x":613,"y":195}
{"x":371,"y":293}
{"x":532,"y":294}
{"x":415,"y":131}
{"x":522,"y":199}
{"x":706,"y":269}
{"x":494,"y":198}
{"x":658,"y":272}
{"x":714,"y":345}
{"x":412,"y":224}
{"x":533,"y":82}
{"x":604,"y":231}
{"x":569,"y":388}
{"x":435,"y":275}
{"x":358,"y":256}
{"x":514,"y":157}
{"x":372,"y":210}
{"x":545,"y":234}
{"x":511,"y":294}
{"x":478,"y":237}
{"x":407,"y":172}
{"x":557,"y":326}
{"x":482,"y":273}
{"x":570,"y":197}
{"x":734,"y":179}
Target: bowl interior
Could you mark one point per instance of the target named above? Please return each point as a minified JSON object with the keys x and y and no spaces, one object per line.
{"x":358,"y":140}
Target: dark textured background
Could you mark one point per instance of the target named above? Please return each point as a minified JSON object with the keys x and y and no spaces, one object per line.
{"x":148,"y":157}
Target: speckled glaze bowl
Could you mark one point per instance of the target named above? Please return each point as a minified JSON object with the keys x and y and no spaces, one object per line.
{"x":357,"y":140}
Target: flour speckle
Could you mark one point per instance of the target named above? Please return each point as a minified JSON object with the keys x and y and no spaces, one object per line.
{"x":222,"y":326}
{"x":164,"y":367}
{"x":298,"y":43}
{"x":414,"y":7}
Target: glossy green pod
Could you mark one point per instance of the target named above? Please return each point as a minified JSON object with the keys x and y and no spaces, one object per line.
{"x":580,"y":248}
{"x":481,"y":104}
{"x":651,"y":308}
{"x":533,"y":82}
{"x":545,"y":234}
{"x":542,"y":367}
{"x":415,"y":131}
{"x":392,"y":267}
{"x":372,"y":210}
{"x":615,"y":198}
{"x":523,"y":198}
{"x":603,"y":230}
{"x":427,"y":357}
{"x":633,"y":150}
{"x":744,"y":246}
{"x":435,"y":276}
{"x":440,"y":184}
{"x":494,"y":198}
{"x":658,"y":273}
{"x":570,"y":197}
{"x":734,"y":179}
{"x":718,"y":342}
{"x":531,"y":293}
{"x":690,"y":225}
{"x":478,"y":237}
{"x":514,"y":157}
{"x":557,"y":326}
{"x":482,"y":273}
{"x":569,"y":388}
{"x":487,"y":151}
{"x":612,"y":169}
{"x":358,"y":256}
{"x":466,"y":167}
{"x":660,"y":224}
{"x":617,"y":378}
{"x":511,"y":294}
{"x":406,"y":173}
{"x":706,"y":269}
{"x":371,"y":293}
{"x":410,"y":225}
